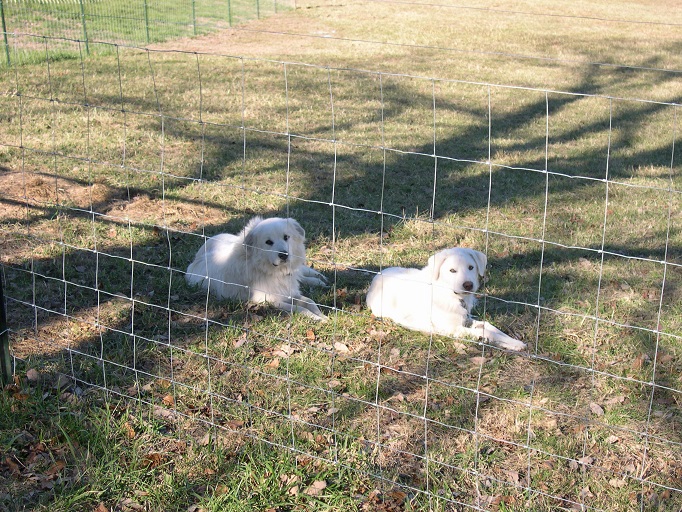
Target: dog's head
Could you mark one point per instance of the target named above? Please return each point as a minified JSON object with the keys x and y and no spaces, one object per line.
{"x":275,"y":242}
{"x":458,"y":269}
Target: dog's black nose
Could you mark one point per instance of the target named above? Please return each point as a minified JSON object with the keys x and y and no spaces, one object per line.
{"x":468,"y":285}
{"x":283,"y":256}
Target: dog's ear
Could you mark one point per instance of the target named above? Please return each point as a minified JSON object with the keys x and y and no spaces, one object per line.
{"x":294,"y":223}
{"x":435,"y":262}
{"x":249,"y":243}
{"x":249,"y":237}
{"x":481,"y":260}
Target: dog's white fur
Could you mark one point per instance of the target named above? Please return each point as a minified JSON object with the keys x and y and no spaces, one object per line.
{"x":438,"y":298}
{"x":265,"y":262}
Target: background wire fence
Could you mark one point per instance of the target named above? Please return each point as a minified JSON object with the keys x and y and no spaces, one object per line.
{"x":115,"y":172}
{"x":120,"y":21}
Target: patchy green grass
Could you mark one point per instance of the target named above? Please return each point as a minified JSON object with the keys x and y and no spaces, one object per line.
{"x":113,"y":169}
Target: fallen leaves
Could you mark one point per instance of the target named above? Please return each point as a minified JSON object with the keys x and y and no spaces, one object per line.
{"x":36,"y":462}
{"x":582,"y":463}
{"x":284,"y":351}
{"x":391,"y":501}
{"x":293,"y":484}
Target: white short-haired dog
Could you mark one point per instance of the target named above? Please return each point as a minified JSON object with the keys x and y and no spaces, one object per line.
{"x":438,"y":298}
{"x":265,"y":262}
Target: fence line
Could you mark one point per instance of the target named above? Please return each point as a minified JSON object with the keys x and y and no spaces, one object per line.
{"x":122,"y":21}
{"x":98,"y":267}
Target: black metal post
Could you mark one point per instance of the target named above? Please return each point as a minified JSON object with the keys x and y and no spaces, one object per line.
{"x":5,"y":358}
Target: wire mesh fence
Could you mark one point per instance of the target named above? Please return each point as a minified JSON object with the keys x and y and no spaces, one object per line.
{"x":142,"y":22}
{"x":117,"y":170}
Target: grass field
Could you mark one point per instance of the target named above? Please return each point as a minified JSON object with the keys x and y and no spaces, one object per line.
{"x":389,"y":131}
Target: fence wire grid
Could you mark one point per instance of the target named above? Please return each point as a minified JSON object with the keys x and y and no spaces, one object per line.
{"x":115,"y":172}
{"x":98,"y":21}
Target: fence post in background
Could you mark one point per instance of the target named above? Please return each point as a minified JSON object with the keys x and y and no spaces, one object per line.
{"x":4,"y":32}
{"x":229,"y":12}
{"x":85,"y":30}
{"x":5,"y":358}
{"x":194,"y":18}
{"x":146,"y":20}
{"x":258,"y":9}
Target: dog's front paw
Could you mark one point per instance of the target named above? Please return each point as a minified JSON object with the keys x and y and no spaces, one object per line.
{"x":512,"y":344}
{"x":311,"y":277}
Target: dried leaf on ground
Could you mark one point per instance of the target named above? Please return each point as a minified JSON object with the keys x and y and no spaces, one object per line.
{"x":55,"y":468}
{"x":129,"y":430}
{"x":240,"y":341}
{"x":341,"y":347}
{"x":316,"y":488}
{"x":33,"y":375}
{"x":284,"y":351}
{"x":596,"y":409}
{"x":617,"y":483}
{"x":152,"y":460}
{"x":235,"y":424}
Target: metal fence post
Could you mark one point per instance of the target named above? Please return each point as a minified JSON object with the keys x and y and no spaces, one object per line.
{"x":85,"y":30}
{"x":229,"y":12}
{"x":258,"y":9}
{"x":194,"y":18}
{"x":146,"y":20}
{"x":4,"y":32}
{"x":5,"y":358}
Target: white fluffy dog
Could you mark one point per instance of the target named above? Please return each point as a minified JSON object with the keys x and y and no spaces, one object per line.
{"x":265,"y":262}
{"x":437,"y":298}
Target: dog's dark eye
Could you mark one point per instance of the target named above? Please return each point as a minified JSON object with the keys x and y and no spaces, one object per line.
{"x":454,"y":271}
{"x":286,"y":237}
{"x":269,"y":242}
{"x":471,"y":267}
